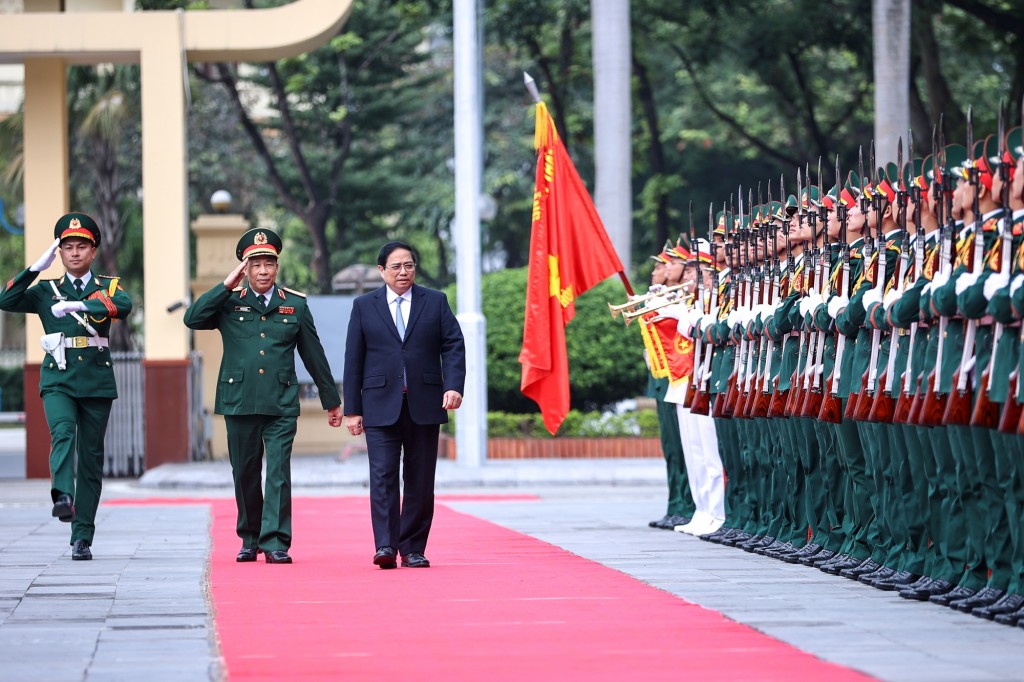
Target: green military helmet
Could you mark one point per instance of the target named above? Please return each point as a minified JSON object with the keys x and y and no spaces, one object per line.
{"x":831,"y":197}
{"x":953,"y":158}
{"x":810,"y":196}
{"x":1015,"y":143}
{"x":928,"y":171}
{"x":78,"y":225}
{"x":776,"y":210}
{"x":853,"y":183}
{"x":722,"y":221}
{"x":258,"y":241}
{"x":791,"y":204}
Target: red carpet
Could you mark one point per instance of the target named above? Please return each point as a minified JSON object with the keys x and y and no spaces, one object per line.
{"x":496,"y":605}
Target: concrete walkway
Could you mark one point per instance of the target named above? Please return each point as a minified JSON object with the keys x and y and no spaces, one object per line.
{"x":140,"y":608}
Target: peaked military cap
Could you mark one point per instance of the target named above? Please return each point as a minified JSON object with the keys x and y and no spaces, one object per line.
{"x":78,"y":225}
{"x":258,"y":241}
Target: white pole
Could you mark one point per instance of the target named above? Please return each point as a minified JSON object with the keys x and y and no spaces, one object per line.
{"x":471,"y":418}
{"x":613,"y":154}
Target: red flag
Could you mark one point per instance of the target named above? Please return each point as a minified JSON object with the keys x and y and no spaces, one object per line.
{"x":570,"y":252}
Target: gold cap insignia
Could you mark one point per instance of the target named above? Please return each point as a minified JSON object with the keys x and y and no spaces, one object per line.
{"x":75,"y":223}
{"x":260,"y":238}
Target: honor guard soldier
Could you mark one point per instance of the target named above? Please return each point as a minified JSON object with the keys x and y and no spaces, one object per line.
{"x":261,"y":326}
{"x":76,"y":380}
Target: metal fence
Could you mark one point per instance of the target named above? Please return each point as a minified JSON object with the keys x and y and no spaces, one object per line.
{"x":125,"y":443}
{"x":125,"y":440}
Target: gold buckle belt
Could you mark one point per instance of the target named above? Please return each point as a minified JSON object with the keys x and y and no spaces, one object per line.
{"x":84,"y":341}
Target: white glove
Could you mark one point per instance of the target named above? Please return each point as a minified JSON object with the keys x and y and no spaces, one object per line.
{"x":836,"y":304}
{"x":674,"y":311}
{"x":871,"y":297}
{"x":891,"y":297}
{"x":713,"y":314}
{"x":734,"y":318}
{"x":46,"y":260}
{"x":685,"y":325}
{"x":938,"y":279}
{"x":1017,"y":281}
{"x":965,"y":280}
{"x":707,"y":322}
{"x":62,"y":308}
{"x":995,"y":282}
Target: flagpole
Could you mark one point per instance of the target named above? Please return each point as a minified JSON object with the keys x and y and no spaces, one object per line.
{"x":531,"y":87}
{"x":471,"y":419}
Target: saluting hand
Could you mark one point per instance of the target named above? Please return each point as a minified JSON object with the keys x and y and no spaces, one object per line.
{"x":236,"y":275}
{"x":451,"y":400}
{"x":46,"y":260}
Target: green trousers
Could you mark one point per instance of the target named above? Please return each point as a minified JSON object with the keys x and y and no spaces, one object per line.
{"x":77,"y":425}
{"x":264,"y":517}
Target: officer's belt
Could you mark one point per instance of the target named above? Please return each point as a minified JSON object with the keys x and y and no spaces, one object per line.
{"x":84,"y":341}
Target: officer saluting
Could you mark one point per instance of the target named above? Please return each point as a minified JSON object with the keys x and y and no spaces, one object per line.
{"x":76,"y":380}
{"x":261,"y":325}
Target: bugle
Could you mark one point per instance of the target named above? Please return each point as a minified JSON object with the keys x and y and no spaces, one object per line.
{"x":616,"y":309}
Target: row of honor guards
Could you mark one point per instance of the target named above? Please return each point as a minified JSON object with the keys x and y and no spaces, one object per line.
{"x":849,"y":358}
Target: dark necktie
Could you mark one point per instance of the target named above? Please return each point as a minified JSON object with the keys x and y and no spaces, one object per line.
{"x":78,"y":286}
{"x":264,"y":300}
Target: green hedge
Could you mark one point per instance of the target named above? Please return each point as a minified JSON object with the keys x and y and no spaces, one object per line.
{"x":605,"y":359}
{"x":643,"y":423}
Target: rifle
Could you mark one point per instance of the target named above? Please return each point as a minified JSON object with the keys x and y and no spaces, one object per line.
{"x":831,"y":403}
{"x":883,"y":407}
{"x":702,"y":398}
{"x":987,"y":413}
{"x":752,"y":357}
{"x":934,"y":187}
{"x":958,"y":405}
{"x":811,"y":393}
{"x":691,"y":388}
{"x":901,"y":414}
{"x":869,"y":250}
{"x":870,"y":381}
{"x":739,"y":290}
{"x":779,"y":399}
{"x":774,"y":295}
{"x":933,"y":406}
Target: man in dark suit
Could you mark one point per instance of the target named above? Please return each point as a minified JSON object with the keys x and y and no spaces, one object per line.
{"x":405,"y":367}
{"x":261,"y":326}
{"x":76,"y":379}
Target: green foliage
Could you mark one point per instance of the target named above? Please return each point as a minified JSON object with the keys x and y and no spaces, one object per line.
{"x":605,"y":360}
{"x":577,"y":425}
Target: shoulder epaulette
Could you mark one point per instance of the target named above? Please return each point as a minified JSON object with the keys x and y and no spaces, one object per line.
{"x":292,"y":291}
{"x":112,"y":286}
{"x":238,"y":289}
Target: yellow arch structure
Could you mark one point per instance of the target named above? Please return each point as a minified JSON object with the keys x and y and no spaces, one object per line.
{"x":47,"y":40}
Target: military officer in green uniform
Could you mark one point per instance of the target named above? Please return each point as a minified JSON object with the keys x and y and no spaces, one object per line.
{"x":77,"y":377}
{"x":261,"y":325}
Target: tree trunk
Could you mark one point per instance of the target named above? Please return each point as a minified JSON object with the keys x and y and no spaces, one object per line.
{"x":890,"y":25}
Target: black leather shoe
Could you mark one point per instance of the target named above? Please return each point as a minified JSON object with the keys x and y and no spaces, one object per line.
{"x":953,"y":595}
{"x":385,"y":557}
{"x":818,"y":557}
{"x":1012,"y":618}
{"x":882,"y":573}
{"x":247,"y":554}
{"x":278,"y":556}
{"x":677,"y":520}
{"x":659,"y":523}
{"x":414,"y":560}
{"x":927,"y":590}
{"x":1008,"y":604}
{"x":897,"y":581}
{"x":865,"y":567}
{"x":63,"y":509}
{"x":740,"y":536}
{"x":837,"y":567}
{"x":81,"y":551}
{"x":985,"y":597}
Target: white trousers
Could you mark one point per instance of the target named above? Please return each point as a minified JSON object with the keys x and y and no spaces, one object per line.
{"x":703,"y":463}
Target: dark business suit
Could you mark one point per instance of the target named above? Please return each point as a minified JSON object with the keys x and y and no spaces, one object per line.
{"x":434,"y":358}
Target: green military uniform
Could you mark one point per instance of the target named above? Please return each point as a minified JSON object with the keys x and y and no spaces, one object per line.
{"x":258,"y":390}
{"x":76,"y":398}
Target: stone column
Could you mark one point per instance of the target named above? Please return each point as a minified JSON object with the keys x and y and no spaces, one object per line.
{"x":216,"y":238}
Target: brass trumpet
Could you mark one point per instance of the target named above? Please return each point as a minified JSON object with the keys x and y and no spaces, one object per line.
{"x":672,"y":299}
{"x":616,"y":309}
